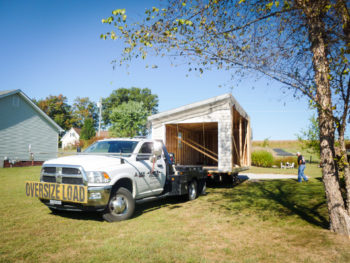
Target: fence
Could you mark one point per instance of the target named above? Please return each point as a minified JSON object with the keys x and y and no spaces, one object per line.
{"x":20,"y":159}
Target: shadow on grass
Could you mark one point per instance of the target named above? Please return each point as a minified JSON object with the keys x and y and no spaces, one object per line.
{"x":169,"y":202}
{"x":303,"y":209}
{"x":227,"y":184}
{"x":84,"y":215}
{"x":275,"y":197}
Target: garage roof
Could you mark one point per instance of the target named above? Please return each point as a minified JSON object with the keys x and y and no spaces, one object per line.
{"x":212,"y":101}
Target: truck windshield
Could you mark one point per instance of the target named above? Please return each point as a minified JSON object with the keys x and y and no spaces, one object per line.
{"x":125,"y":148}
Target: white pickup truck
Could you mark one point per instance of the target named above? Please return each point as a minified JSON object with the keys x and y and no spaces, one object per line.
{"x":112,"y":175}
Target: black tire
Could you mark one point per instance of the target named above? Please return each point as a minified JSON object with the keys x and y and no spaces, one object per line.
{"x":192,"y":190}
{"x":120,"y":207}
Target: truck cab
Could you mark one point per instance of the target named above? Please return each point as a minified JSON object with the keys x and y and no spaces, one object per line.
{"x":115,"y":174}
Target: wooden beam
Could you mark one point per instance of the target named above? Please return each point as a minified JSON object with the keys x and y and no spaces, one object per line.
{"x":201,"y":146}
{"x":245,"y":148}
{"x":240,"y":140}
{"x":197,"y":149}
{"x":234,"y":144}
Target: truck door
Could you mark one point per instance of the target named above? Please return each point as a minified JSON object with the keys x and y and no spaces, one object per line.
{"x":155,"y":172}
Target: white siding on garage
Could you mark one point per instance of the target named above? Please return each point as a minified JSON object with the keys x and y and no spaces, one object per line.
{"x":20,"y":126}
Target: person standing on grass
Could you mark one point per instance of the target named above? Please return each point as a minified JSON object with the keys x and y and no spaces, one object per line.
{"x":301,"y":168}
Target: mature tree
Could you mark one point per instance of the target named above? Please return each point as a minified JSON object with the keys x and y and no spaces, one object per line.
{"x":119,"y":96}
{"x":303,"y":44}
{"x":129,"y":119}
{"x":88,"y":130}
{"x":57,"y":108}
{"x":83,"y":109}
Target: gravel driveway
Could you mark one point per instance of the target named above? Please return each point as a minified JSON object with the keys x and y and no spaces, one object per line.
{"x":250,"y":176}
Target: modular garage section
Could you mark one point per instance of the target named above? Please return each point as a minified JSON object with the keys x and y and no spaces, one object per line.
{"x":213,"y":134}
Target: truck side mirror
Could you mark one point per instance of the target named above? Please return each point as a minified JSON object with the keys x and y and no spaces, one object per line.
{"x":157,"y":149}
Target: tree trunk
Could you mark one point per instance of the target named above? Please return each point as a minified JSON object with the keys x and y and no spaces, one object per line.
{"x":338,"y":216}
{"x":343,"y":11}
{"x":345,"y":164}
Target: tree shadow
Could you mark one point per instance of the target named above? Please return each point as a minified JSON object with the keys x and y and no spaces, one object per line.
{"x":294,"y":198}
{"x":303,"y":210}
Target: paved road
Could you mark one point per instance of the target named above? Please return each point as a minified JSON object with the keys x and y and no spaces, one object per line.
{"x":280,"y":152}
{"x":250,"y":176}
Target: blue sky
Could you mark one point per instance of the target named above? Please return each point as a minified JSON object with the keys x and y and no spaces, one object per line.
{"x":51,"y":47}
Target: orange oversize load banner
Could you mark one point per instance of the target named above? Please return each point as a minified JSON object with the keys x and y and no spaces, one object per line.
{"x":64,"y":192}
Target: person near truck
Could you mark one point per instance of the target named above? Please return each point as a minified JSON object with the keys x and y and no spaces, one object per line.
{"x":301,"y":168}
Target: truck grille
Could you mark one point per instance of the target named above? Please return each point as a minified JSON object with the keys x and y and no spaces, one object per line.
{"x":64,"y":175}
{"x":70,"y":180}
{"x":49,"y":179}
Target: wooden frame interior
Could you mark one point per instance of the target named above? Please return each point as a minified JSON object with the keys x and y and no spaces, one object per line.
{"x":197,"y":143}
{"x":193,"y":143}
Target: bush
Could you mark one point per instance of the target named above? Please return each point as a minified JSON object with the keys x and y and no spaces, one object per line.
{"x":284,"y":160}
{"x":262,"y":159}
{"x":88,"y":130}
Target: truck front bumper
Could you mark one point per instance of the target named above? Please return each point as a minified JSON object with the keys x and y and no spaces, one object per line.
{"x":98,"y":197}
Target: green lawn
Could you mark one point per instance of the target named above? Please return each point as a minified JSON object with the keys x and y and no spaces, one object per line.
{"x":263,"y":221}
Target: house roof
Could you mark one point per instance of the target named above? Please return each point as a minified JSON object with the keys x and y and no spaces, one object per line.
{"x":77,"y":130}
{"x":6,"y":93}
{"x":212,"y":101}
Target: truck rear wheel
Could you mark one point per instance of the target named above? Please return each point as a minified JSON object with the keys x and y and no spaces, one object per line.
{"x":192,"y":190}
{"x":120,"y":207}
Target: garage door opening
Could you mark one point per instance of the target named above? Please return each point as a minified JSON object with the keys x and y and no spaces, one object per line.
{"x":193,"y":143}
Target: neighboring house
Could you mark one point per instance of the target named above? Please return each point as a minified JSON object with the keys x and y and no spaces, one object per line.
{"x":26,"y":132}
{"x":71,"y":138}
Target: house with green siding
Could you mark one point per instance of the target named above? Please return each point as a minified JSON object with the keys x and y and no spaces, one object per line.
{"x":26,"y":132}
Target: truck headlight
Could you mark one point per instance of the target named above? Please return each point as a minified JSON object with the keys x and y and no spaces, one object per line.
{"x":98,"y":177}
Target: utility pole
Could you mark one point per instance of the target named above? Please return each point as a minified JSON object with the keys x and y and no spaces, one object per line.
{"x":99,"y":105}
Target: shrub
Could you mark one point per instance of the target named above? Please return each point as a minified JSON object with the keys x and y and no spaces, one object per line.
{"x":88,"y":130}
{"x":81,"y":144}
{"x":284,"y":160}
{"x":262,"y":159}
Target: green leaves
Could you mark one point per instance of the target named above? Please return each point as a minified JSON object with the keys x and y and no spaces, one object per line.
{"x":184,"y":22}
{"x":123,"y":95}
{"x":129,"y":119}
{"x":118,"y":12}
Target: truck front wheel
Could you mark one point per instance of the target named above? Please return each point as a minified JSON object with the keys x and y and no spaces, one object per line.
{"x":120,"y":207}
{"x":192,"y":190}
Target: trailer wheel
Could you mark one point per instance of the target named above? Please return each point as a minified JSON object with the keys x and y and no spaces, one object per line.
{"x":192,"y":190}
{"x":120,"y":207}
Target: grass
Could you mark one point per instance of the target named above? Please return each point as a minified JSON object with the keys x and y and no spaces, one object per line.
{"x":263,"y":221}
